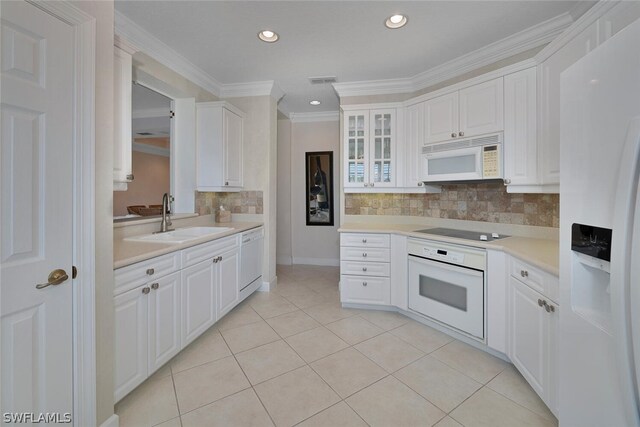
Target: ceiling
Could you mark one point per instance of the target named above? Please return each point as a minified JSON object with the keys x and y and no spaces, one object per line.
{"x":346,"y":39}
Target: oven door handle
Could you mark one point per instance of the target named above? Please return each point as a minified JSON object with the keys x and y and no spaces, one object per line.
{"x":450,"y":267}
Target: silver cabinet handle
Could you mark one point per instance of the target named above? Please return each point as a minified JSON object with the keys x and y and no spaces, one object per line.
{"x":364,"y":268}
{"x":364,"y":240}
{"x":150,"y":271}
{"x":524,"y":273}
{"x":226,"y":183}
{"x":215,"y":260}
{"x":146,"y":290}
{"x":507,"y":181}
{"x":371,"y":184}
{"x":461,"y":133}
{"x":364,"y":283}
{"x":155,"y":286}
{"x":540,"y":302}
{"x":420,"y":184}
{"x":364,"y":254}
{"x":453,"y":135}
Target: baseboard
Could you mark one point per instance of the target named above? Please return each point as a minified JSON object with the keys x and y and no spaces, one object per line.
{"x":267,"y":286}
{"x":284,"y":260}
{"x":112,"y":421}
{"x":328,"y":262}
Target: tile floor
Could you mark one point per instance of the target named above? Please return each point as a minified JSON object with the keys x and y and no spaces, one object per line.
{"x":294,"y":356}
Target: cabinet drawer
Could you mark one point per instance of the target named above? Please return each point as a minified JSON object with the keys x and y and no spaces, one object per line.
{"x":535,"y":278}
{"x":365,"y":240}
{"x":196,"y":254}
{"x":364,"y":268}
{"x":132,"y":276}
{"x":365,"y":290}
{"x":364,"y":254}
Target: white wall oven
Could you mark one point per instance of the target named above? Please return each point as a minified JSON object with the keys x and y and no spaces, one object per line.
{"x":447,"y":284}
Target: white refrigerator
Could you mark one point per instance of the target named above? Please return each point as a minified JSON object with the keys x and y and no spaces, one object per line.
{"x":600,"y":236}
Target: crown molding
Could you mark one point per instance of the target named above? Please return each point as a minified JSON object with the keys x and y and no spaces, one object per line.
{"x":588,"y":18}
{"x":265,"y":88}
{"x":522,"y":41}
{"x":150,"y":113}
{"x":158,"y":50}
{"x":322,"y":116}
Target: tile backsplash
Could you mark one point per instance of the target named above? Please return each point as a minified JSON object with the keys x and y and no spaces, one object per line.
{"x":242,"y":202}
{"x":488,"y":202}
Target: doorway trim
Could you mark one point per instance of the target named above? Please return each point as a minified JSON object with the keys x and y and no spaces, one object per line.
{"x":84,"y":325}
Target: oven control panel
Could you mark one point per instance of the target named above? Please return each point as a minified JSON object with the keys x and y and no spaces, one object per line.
{"x":443,"y":255}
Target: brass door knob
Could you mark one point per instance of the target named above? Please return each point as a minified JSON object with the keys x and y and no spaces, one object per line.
{"x":56,"y":277}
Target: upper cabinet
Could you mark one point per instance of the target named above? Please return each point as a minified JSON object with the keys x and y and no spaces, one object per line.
{"x":370,"y":148}
{"x":219,"y":140}
{"x":472,"y":111}
{"x":122,"y":72}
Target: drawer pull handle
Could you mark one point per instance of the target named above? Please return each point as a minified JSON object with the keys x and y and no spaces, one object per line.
{"x":524,"y":273}
{"x":150,"y":271}
{"x":146,"y":290}
{"x":364,"y":254}
{"x":364,"y":240}
{"x":541,"y":303}
{"x":155,"y":286}
{"x":364,"y":283}
{"x":364,"y":268}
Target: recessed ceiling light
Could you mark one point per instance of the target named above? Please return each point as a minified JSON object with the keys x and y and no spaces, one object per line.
{"x":314,"y":102}
{"x":268,"y":36}
{"x":396,"y":21}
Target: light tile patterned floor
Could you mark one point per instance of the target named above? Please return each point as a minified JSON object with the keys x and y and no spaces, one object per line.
{"x":294,"y":356}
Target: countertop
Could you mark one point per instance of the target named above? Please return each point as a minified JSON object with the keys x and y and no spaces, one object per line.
{"x":541,"y":253}
{"x":126,"y":252}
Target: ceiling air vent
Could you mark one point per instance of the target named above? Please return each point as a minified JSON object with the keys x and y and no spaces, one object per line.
{"x":322,"y":80}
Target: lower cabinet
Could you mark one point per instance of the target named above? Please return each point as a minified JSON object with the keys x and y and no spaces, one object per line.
{"x":156,"y":317}
{"x":532,"y":339}
{"x":365,"y":268}
{"x":147,"y":330}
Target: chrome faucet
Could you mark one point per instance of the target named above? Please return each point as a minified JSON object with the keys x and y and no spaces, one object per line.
{"x":166,"y":216}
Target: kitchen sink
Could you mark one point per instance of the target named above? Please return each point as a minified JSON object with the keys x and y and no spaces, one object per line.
{"x":179,"y":235}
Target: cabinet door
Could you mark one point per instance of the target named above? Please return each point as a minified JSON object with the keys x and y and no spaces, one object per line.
{"x":122,"y":71}
{"x":232,"y":125}
{"x":356,"y":146}
{"x":528,"y":341}
{"x":228,"y":275}
{"x":482,"y":109}
{"x":520,"y":143}
{"x":198,"y":300}
{"x":382,"y":164}
{"x":441,"y":118}
{"x":414,"y":139}
{"x":164,"y":320}
{"x":130,"y":341}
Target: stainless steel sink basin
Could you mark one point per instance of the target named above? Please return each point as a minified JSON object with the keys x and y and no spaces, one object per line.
{"x":179,"y":235}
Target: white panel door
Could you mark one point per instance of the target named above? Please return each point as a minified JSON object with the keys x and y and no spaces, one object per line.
{"x":36,"y":152}
{"x":131,"y":331}
{"x":228,"y":275}
{"x":122,"y":74}
{"x":528,"y":325}
{"x":164,"y":320}
{"x":441,"y":118}
{"x":482,"y":108}
{"x":198,"y":300}
{"x":232,"y":125}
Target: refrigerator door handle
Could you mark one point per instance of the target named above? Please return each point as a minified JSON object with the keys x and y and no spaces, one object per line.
{"x":625,"y":298}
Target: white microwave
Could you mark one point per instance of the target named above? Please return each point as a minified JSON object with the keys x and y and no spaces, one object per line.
{"x":463,"y":160}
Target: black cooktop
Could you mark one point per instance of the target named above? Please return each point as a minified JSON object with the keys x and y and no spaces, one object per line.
{"x":461,"y":234}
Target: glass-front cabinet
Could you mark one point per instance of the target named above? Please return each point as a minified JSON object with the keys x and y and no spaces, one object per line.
{"x":370,"y":139}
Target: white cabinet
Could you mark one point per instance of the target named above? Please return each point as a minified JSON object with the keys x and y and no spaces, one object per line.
{"x":227,"y":281}
{"x":198,"y":300}
{"x":370,"y":148}
{"x":122,"y":72}
{"x":413,"y":141}
{"x":520,"y":141}
{"x":147,"y":331}
{"x":532,"y":335}
{"x":472,"y":111}
{"x":219,"y":145}
{"x":365,"y":268}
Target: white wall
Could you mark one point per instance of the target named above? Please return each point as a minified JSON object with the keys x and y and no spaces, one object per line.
{"x":318,"y":245}
{"x":283,"y":243}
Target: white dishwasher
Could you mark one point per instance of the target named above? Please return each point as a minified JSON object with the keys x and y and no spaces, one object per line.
{"x":251,"y":261}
